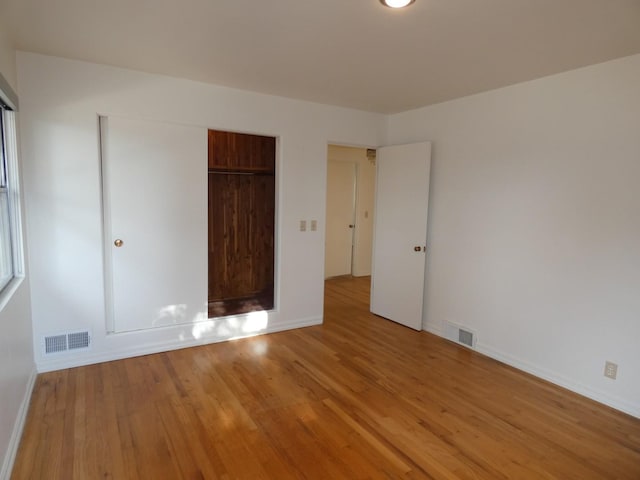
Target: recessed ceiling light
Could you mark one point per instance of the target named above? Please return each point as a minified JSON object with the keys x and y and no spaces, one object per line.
{"x":397,"y":3}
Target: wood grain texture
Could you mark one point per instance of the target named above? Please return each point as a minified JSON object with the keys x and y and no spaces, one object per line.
{"x":241,"y":236}
{"x":241,"y":222}
{"x":358,"y":397}
{"x":230,"y":151}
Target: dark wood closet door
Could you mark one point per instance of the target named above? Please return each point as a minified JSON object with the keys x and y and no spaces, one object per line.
{"x":241,"y":222}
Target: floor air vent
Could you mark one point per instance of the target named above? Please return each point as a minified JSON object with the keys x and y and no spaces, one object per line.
{"x":66,"y":342}
{"x":460,"y":335}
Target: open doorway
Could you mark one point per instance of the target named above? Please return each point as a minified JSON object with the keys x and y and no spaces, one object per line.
{"x":351,"y":174}
{"x":399,"y":175}
{"x":241,"y":222}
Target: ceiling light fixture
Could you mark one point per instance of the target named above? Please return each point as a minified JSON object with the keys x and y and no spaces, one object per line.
{"x":397,"y":3}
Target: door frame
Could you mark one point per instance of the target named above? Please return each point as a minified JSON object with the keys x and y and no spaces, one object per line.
{"x":276,"y":207}
{"x":359,"y":233}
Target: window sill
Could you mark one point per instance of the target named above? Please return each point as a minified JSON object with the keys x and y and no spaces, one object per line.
{"x":9,"y":290}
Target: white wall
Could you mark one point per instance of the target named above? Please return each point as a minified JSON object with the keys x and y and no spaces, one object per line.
{"x":60,"y":102}
{"x":7,"y":58}
{"x":16,"y":356}
{"x":365,"y":180}
{"x":534,"y":224}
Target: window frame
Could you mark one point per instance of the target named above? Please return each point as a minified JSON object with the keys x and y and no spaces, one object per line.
{"x":10,"y":186}
{"x":5,"y":223}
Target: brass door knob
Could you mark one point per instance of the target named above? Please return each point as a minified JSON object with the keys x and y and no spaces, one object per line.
{"x":118,"y":242}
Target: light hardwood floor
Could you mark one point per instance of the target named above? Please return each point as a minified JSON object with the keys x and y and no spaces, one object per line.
{"x":357,"y":398}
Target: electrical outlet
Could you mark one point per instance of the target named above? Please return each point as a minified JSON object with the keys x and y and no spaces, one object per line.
{"x":610,"y":370}
{"x":303,"y":225}
{"x":314,"y":225}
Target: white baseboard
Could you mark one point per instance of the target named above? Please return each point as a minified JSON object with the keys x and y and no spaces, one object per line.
{"x":569,"y":384}
{"x":63,"y":362}
{"x":18,"y":427}
{"x":361,"y":273}
{"x":435,"y":329}
{"x":598,"y":396}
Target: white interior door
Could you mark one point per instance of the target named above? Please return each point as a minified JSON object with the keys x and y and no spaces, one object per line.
{"x":341,"y":197}
{"x":155,"y":206}
{"x":400,"y":233}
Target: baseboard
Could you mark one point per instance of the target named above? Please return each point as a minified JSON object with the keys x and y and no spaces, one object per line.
{"x":576,"y":387}
{"x":435,"y":329}
{"x":18,"y":427}
{"x":61,"y":363}
{"x":569,"y":384}
{"x":361,"y":273}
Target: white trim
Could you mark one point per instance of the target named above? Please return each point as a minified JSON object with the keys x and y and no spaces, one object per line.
{"x":15,"y":213}
{"x":107,"y":259}
{"x":117,"y":354}
{"x":539,"y":372}
{"x":9,"y":290}
{"x":435,"y":329}
{"x":13,"y":184}
{"x":18,"y":427}
{"x":577,"y":387}
{"x":7,"y":94}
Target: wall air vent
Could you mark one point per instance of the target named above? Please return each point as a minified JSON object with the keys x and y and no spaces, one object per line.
{"x":465,"y":337}
{"x":56,"y":343}
{"x":66,"y":341}
{"x":461,"y":335}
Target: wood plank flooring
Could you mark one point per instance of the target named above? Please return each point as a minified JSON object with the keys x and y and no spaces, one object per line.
{"x":356,"y":398}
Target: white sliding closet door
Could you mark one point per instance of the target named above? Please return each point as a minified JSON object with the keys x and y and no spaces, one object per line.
{"x":155,"y":217}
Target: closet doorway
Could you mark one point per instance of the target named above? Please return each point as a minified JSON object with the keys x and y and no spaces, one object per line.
{"x":241,"y":221}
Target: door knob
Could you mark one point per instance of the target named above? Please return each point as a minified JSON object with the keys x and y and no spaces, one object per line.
{"x":118,"y":243}
{"x":417,"y":248}
{"x":351,"y":226}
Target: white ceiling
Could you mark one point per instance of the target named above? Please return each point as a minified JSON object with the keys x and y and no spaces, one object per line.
{"x":353,"y":53}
